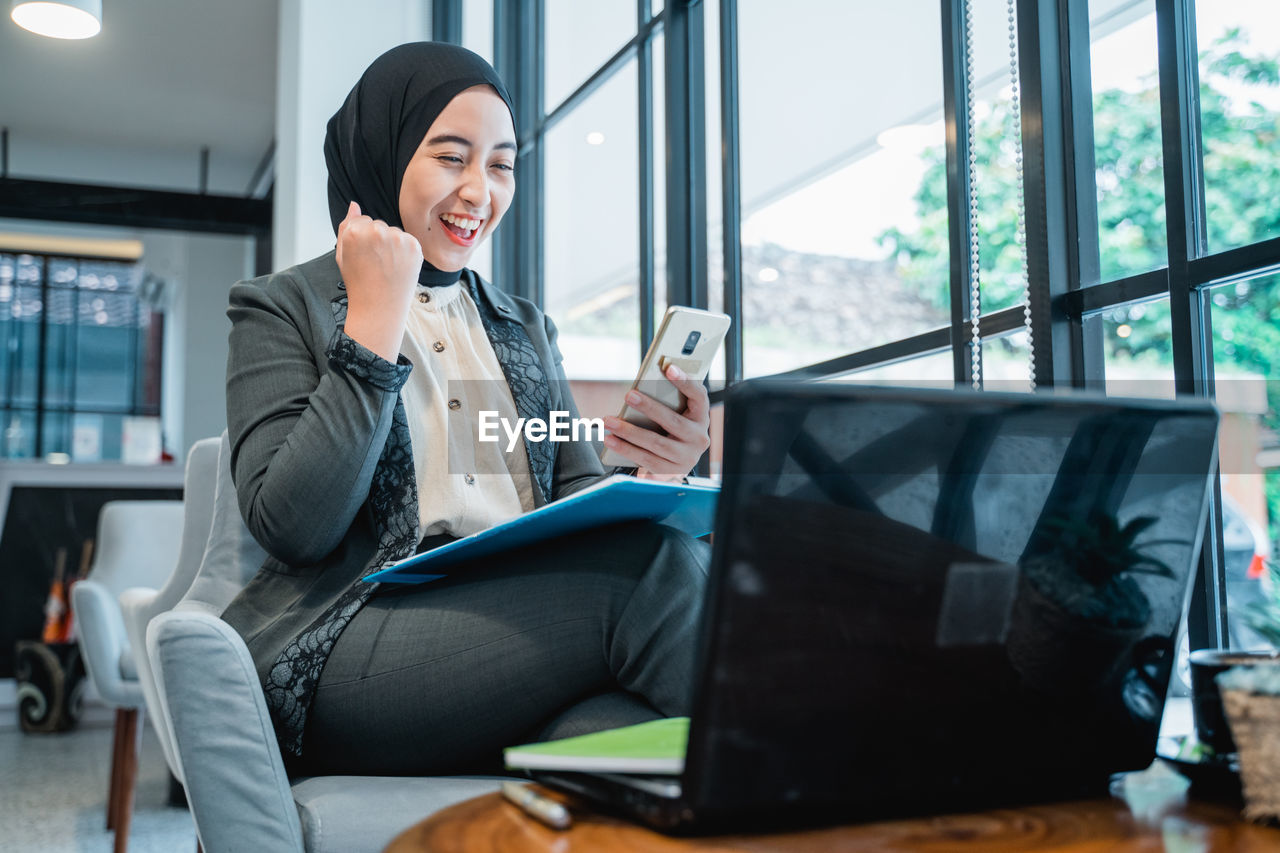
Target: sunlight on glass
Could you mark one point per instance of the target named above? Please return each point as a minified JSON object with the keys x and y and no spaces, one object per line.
{"x":1127,"y":142}
{"x":591,"y":227}
{"x":580,"y":37}
{"x":1138,"y":361}
{"x":926,"y":371}
{"x":1246,"y":365}
{"x":844,"y":240}
{"x":1239,"y":45}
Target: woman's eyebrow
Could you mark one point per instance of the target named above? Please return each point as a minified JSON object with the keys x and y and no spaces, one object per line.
{"x":449,"y":138}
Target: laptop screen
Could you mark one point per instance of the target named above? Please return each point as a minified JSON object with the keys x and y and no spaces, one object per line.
{"x":925,"y":599}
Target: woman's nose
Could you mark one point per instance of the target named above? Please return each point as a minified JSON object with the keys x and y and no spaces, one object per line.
{"x":475,"y":187}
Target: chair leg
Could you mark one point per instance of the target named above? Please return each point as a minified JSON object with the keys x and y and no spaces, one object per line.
{"x":128,"y":776}
{"x":113,"y":787}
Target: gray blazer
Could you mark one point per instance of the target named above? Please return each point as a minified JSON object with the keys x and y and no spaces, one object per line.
{"x":323,"y":469}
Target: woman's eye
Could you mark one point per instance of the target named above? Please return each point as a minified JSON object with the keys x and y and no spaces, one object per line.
{"x":450,"y":158}
{"x":505,"y":167}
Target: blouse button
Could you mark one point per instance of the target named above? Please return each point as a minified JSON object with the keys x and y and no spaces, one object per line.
{"x":424,"y":297}
{"x":470,"y":478}
{"x":438,"y":346}
{"x":455,"y":404}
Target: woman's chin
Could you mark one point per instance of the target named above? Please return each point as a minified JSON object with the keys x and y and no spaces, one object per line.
{"x":448,"y":263}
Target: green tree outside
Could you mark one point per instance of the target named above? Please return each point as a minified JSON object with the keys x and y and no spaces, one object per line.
{"x":1242,"y":202}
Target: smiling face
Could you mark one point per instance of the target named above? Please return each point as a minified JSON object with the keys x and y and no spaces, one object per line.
{"x":461,"y":179}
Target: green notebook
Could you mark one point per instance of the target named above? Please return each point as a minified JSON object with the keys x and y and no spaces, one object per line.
{"x":653,"y":747}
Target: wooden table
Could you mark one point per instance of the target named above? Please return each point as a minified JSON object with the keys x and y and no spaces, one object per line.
{"x":490,"y":823}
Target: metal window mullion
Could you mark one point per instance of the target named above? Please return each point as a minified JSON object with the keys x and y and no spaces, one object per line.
{"x":599,"y":77}
{"x":1084,"y":263}
{"x":959,"y":192}
{"x":446,"y":21}
{"x":1176,"y":57}
{"x":1047,"y":192}
{"x":731,"y":189}
{"x":73,"y":366}
{"x":1192,"y":368}
{"x":41,"y":364}
{"x":518,"y":41}
{"x":686,"y":162}
{"x":644,"y":76}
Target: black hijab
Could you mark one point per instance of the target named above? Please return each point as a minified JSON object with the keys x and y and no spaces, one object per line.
{"x":373,"y":136}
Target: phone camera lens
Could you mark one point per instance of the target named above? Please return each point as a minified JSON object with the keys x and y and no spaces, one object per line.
{"x":690,"y":343}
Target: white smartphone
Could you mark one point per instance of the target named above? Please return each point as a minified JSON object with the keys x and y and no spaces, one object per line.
{"x":688,"y":338}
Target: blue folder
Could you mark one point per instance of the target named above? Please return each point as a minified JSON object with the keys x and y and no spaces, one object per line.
{"x":685,"y":506}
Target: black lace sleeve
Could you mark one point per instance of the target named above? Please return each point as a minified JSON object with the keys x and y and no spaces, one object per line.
{"x":345,"y":353}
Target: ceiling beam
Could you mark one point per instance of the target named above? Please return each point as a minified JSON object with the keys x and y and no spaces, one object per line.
{"x":128,"y":207}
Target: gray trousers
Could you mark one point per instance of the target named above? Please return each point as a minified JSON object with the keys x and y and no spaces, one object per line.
{"x":593,"y":630}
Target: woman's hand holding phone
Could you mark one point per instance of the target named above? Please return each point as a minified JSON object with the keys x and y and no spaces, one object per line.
{"x":671,"y":456}
{"x":379,"y":265}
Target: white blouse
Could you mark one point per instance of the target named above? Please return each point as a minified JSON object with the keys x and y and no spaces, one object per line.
{"x":464,"y":485}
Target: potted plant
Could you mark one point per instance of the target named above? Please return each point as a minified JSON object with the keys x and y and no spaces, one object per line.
{"x":1251,"y":696}
{"x":1079,"y":610}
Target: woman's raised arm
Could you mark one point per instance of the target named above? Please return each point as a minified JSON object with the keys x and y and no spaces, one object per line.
{"x":304,"y":442}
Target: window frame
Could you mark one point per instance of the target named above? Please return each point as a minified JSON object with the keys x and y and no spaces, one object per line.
{"x":1068,"y":297}
{"x":141,"y":376}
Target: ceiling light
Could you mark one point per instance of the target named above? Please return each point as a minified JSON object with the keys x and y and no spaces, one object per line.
{"x":63,"y":19}
{"x":595,"y":137}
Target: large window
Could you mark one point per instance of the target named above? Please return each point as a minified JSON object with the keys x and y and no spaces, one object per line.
{"x":838,"y":176}
{"x":79,"y":356}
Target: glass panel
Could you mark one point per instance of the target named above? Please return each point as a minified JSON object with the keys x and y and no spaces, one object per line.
{"x":580,"y":38}
{"x":105,"y":342}
{"x":844,"y":237}
{"x":1126,"y":133}
{"x":24,"y":344}
{"x":924,"y":371}
{"x":59,"y":349}
{"x":1239,"y":43}
{"x":57,"y":433}
{"x":1138,"y":352}
{"x":591,"y":208}
{"x":8,"y":346}
{"x":659,"y":178}
{"x":19,"y":434}
{"x":1006,"y":362}
{"x":1246,"y":365}
{"x":997,"y":140}
{"x":477,"y":27}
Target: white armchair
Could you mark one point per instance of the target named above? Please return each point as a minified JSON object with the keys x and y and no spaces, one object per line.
{"x":137,"y":545}
{"x":141,"y":604}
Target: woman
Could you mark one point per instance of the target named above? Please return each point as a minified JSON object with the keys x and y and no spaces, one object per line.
{"x":354,"y":444}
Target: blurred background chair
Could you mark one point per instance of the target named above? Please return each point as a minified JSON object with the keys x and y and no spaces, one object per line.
{"x":137,"y":545}
{"x":140,"y":604}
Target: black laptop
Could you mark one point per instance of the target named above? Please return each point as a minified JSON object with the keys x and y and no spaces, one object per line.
{"x":931,"y":601}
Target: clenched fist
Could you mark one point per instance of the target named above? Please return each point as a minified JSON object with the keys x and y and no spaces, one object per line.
{"x":379,"y":265}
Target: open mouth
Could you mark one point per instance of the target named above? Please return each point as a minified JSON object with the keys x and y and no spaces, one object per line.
{"x":461,"y":229}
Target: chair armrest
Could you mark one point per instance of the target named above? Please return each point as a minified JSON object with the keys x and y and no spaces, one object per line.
{"x":103,"y":640}
{"x":137,"y":607}
{"x":236,"y":782}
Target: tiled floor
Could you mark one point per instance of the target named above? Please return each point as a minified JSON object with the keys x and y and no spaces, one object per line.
{"x":53,"y":795}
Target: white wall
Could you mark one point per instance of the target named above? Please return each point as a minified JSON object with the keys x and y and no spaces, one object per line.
{"x":202,"y":268}
{"x":324,"y":47}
